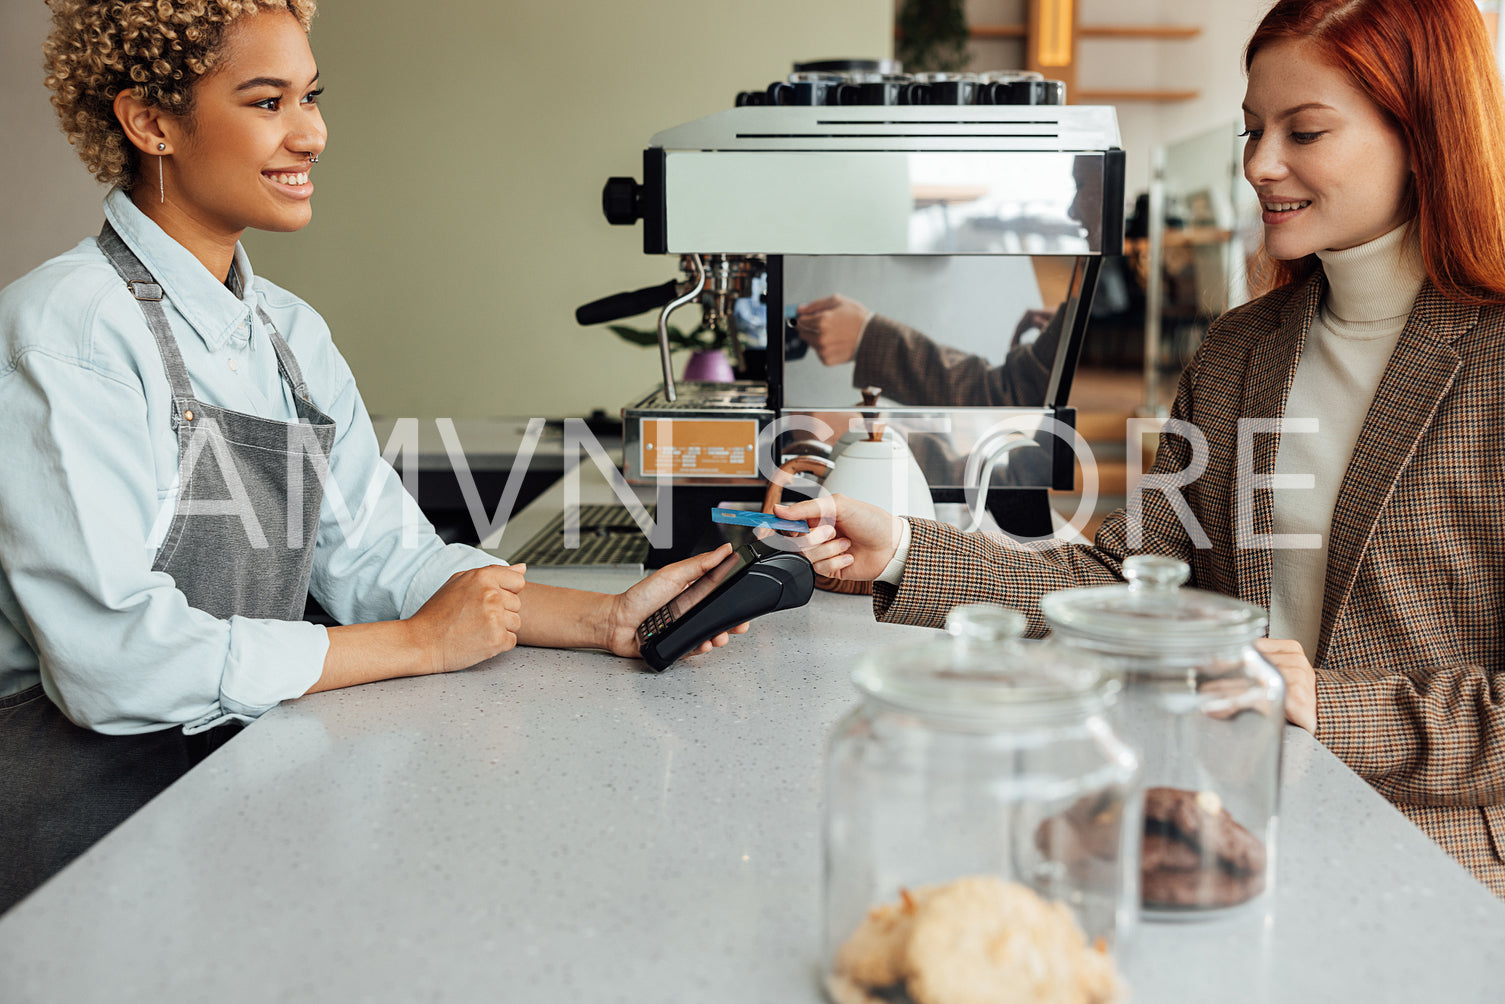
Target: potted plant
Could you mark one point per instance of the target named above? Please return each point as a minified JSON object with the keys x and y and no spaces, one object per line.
{"x":707,"y":362}
{"x":932,"y":36}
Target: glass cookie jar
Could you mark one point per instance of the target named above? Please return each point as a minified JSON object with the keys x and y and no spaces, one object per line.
{"x":1206,"y":714}
{"x":981,"y":817}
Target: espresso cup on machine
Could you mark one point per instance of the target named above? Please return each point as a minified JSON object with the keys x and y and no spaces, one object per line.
{"x":806,"y":89}
{"x":881,"y":89}
{"x":1037,"y":92}
{"x":993,"y":87}
{"x":949,"y":88}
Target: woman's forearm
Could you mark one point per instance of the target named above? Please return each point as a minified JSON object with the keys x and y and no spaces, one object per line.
{"x":1423,"y":736}
{"x":550,"y":616}
{"x":564,"y":618}
{"x":364,"y":653}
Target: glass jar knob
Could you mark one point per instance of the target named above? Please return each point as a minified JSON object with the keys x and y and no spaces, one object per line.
{"x":1155,"y":571}
{"x":981,"y":623}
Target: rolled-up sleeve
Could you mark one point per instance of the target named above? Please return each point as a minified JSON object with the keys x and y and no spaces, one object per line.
{"x":119,"y":648}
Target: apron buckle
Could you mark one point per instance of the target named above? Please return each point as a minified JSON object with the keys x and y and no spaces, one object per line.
{"x":148,"y":290}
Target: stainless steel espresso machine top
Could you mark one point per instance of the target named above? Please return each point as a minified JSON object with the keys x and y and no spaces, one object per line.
{"x":920,"y":213}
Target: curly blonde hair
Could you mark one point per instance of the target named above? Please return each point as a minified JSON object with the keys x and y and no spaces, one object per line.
{"x":157,"y":48}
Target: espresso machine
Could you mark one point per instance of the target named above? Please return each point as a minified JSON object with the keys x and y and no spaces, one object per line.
{"x":972,"y":195}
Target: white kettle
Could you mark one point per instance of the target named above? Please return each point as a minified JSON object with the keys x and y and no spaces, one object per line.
{"x":876,"y":466}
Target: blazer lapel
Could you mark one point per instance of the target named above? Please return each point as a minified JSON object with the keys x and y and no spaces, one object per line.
{"x":1268,"y":373}
{"x":1420,"y":372}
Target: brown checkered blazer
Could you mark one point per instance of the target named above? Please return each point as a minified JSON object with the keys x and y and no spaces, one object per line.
{"x":1411,"y":658}
{"x":912,"y":369}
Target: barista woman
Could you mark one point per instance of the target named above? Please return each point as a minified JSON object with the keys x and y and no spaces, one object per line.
{"x":1376,"y":146}
{"x":186,"y":455}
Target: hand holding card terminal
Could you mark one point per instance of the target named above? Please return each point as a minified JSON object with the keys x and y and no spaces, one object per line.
{"x":755,"y":579}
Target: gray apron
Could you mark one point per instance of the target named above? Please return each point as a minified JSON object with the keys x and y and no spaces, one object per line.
{"x":241,"y":542}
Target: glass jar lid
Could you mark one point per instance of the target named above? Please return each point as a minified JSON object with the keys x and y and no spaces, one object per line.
{"x":1151,"y":612}
{"x":986,"y":671}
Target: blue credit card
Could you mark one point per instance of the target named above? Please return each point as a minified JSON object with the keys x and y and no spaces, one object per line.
{"x":741,"y":517}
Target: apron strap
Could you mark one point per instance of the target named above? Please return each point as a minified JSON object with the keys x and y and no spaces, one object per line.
{"x":148,"y":294}
{"x":285,"y":361}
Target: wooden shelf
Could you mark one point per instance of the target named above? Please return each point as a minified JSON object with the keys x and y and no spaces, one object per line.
{"x":1067,"y":71}
{"x":1098,"y":97}
{"x":946,"y":195}
{"x":1162,"y":32}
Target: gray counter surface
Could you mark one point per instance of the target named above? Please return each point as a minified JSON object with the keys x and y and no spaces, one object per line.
{"x":564,"y":826}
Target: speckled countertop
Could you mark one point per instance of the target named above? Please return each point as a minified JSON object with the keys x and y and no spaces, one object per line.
{"x":562,"y":826}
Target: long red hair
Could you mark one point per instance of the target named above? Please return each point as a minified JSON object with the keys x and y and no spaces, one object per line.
{"x":1431,"y":68}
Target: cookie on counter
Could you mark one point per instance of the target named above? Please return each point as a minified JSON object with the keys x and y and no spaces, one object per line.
{"x":982,"y":940}
{"x":874,"y":955}
{"x":977,"y":940}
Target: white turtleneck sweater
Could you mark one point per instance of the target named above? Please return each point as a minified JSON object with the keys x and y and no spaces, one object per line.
{"x":1369,"y":295}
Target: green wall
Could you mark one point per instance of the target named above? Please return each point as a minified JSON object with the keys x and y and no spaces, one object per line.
{"x":457,"y":219}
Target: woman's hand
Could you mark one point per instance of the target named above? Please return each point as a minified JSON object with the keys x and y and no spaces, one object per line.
{"x":473,"y":616}
{"x":848,"y":539}
{"x":629,"y":609}
{"x":1301,"y":679}
{"x":832,"y":326}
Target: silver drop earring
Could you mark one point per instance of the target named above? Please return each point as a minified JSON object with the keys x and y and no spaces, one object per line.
{"x":161,"y":184}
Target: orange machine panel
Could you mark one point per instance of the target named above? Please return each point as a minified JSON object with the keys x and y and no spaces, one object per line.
{"x":700,"y":447}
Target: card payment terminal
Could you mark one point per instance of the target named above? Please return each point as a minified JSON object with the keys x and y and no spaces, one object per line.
{"x":755,"y":579}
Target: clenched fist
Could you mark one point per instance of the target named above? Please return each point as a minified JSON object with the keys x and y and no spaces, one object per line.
{"x":473,"y":616}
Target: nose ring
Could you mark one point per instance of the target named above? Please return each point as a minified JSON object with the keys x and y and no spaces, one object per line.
{"x":313,"y":160}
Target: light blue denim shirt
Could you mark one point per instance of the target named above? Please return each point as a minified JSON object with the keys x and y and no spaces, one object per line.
{"x":89,"y":464}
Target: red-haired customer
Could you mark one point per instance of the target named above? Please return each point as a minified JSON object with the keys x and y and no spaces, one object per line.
{"x":1376,"y":146}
